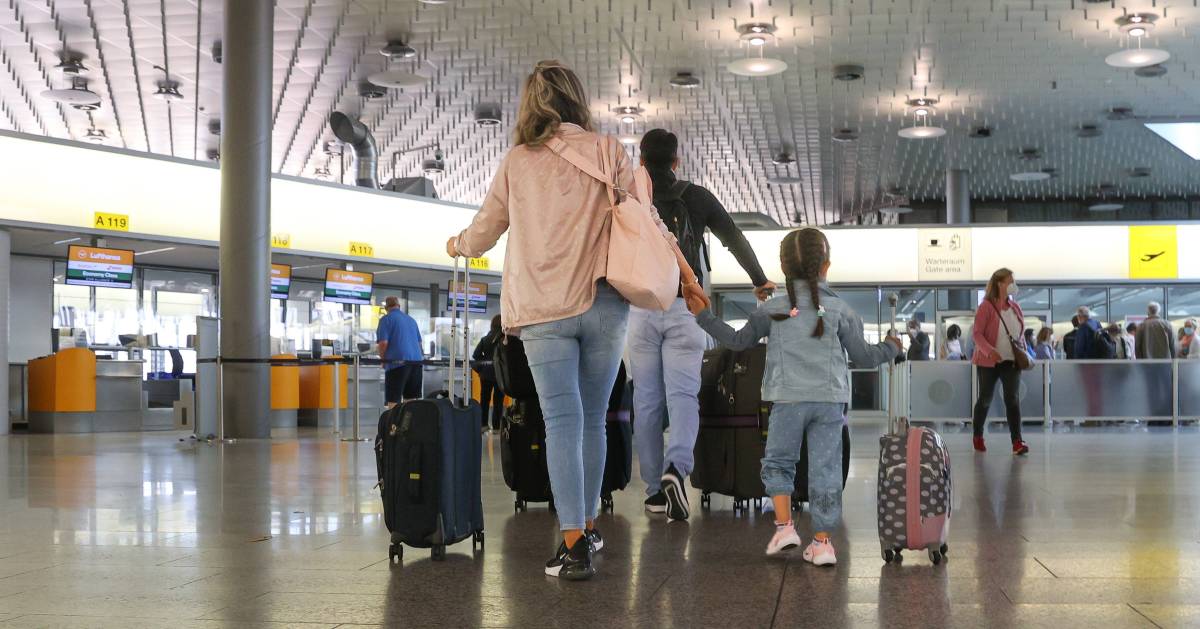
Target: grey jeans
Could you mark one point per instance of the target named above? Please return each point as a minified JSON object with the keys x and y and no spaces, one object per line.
{"x":665,"y":353}
{"x":785,"y":436}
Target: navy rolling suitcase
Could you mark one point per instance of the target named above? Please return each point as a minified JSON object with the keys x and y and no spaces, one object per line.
{"x":428,"y":454}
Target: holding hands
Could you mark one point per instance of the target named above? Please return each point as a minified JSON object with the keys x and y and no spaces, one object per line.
{"x":697,"y":301}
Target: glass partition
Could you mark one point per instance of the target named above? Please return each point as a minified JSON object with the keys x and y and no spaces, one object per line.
{"x":915,"y":303}
{"x":1128,"y":304}
{"x":1183,"y":302}
{"x":1068,"y":300}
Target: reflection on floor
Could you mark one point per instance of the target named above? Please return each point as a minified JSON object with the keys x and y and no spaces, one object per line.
{"x":1096,"y":528}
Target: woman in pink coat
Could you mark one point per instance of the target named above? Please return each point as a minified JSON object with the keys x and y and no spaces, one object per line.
{"x":999,"y":320}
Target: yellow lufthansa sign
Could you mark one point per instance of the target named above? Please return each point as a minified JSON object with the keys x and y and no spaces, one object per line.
{"x":115,"y":222}
{"x":480,"y":264}
{"x":1153,"y":252}
{"x":281,"y":241}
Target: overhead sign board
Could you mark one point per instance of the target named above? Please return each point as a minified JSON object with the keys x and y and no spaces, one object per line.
{"x":281,"y":280}
{"x":944,"y":254}
{"x":96,"y":266}
{"x":348,"y":287}
{"x":476,"y":299}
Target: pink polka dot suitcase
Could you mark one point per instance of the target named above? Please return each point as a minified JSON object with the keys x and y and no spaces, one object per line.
{"x":914,"y":494}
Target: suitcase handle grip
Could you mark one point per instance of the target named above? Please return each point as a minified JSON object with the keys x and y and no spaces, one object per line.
{"x":413,"y":482}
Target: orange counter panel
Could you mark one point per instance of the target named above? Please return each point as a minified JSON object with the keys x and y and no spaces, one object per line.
{"x":316,"y":386}
{"x":64,"y":382}
{"x":285,"y":386}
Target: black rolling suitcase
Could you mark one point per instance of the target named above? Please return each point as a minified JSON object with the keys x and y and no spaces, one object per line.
{"x":729,"y":443}
{"x":618,"y":463}
{"x":428,"y":456}
{"x":523,"y":454}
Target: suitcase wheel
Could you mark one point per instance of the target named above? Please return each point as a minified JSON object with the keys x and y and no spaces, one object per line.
{"x":945,"y":549}
{"x":395,"y":554}
{"x":477,"y":541}
{"x":935,"y":556}
{"x":888,"y":555}
{"x":797,"y":506}
{"x":438,"y":552}
{"x":741,"y":505}
{"x":606,"y":503}
{"x":706,"y":501}
{"x":519,"y":506}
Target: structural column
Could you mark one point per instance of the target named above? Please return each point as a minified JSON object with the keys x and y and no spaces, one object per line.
{"x":246,"y":216}
{"x":5,"y":283}
{"x":958,"y":212}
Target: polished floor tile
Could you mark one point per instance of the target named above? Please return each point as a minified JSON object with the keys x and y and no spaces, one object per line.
{"x":1097,"y":527}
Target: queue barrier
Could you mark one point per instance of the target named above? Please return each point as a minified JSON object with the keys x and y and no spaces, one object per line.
{"x":1060,"y":390}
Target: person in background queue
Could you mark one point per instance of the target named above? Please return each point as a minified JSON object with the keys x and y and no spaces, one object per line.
{"x":399,"y":340}
{"x":490,"y":396}
{"x":1155,"y":337}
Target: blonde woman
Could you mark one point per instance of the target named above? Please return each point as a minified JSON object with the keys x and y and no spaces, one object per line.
{"x":571,"y":321}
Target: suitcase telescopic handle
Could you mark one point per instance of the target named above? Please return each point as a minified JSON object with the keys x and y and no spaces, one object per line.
{"x":462,"y":286}
{"x":893,"y":299}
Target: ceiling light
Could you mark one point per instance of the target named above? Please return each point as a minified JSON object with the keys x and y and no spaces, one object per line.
{"x":398,"y":79}
{"x":322,"y":173}
{"x":1088,"y":131}
{"x":1184,"y":136}
{"x":757,"y":66}
{"x":162,"y":250}
{"x":1030,"y":154}
{"x":922,"y":107}
{"x":397,"y":49}
{"x":628,"y":114}
{"x":1033,"y":175}
{"x":783,"y":158}
{"x":433,"y":2}
{"x":435,"y":166}
{"x":95,"y":136}
{"x":1151,"y":72}
{"x":1139,"y":172}
{"x":1105,"y":206}
{"x":848,"y":72}
{"x":685,"y":80}
{"x":922,"y":132}
{"x":72,"y":67}
{"x":757,"y":34}
{"x":896,"y":209}
{"x":1137,"y":24}
{"x":1137,"y":57}
{"x":629,"y":139}
{"x":370,"y":91}
{"x":63,"y":242}
{"x":168,"y":91}
{"x":78,"y":95}
{"x":487,"y":114}
{"x":845,"y":135}
{"x":1120,"y":113}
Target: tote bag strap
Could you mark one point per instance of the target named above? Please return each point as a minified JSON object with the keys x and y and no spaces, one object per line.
{"x":641,"y":179}
{"x":1000,"y":315}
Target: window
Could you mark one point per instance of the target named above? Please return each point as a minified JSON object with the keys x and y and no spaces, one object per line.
{"x":1129,"y":302}
{"x":865,"y":303}
{"x":1067,"y":300}
{"x":915,"y":303}
{"x":1183,"y":302}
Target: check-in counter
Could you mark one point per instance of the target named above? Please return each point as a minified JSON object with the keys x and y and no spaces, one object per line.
{"x":285,"y":393}
{"x":72,"y":392}
{"x":317,"y":387}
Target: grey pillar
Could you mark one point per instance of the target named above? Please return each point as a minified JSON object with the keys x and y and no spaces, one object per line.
{"x":958,"y":212}
{"x":5,"y":282}
{"x":246,"y":216}
{"x":958,"y":198}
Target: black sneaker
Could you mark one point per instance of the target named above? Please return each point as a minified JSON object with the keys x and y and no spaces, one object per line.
{"x":657,"y":503}
{"x":594,"y":538}
{"x":677,"y":501}
{"x":574,"y":564}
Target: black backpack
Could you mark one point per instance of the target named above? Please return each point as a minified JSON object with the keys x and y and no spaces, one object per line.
{"x":1104,"y":348}
{"x":674,"y":212}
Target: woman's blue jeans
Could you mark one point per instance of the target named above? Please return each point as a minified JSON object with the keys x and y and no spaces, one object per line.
{"x":574,"y":363}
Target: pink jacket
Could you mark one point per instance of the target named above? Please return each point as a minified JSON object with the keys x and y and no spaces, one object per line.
{"x":987,"y":331}
{"x":557,"y":218}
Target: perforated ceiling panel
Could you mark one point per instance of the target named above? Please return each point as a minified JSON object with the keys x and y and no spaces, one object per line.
{"x":1030,"y":72}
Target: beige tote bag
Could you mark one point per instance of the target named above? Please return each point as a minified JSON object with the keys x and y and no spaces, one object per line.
{"x":641,"y":261}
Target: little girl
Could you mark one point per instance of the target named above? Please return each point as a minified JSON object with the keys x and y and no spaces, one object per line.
{"x":807,"y":377}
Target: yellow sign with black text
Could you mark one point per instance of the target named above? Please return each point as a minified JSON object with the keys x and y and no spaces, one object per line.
{"x":115,"y":222}
{"x":1153,"y":252}
{"x":362,"y":249}
{"x":480,"y":264}
{"x":281,"y":241}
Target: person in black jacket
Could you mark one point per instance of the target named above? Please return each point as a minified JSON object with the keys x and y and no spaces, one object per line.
{"x":481,"y":360}
{"x":666,"y":349}
{"x":918,"y":347}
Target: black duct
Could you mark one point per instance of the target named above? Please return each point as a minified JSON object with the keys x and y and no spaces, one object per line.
{"x":356,"y":135}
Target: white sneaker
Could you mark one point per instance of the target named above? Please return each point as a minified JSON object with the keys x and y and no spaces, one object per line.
{"x":785,"y":539}
{"x":820,"y":553}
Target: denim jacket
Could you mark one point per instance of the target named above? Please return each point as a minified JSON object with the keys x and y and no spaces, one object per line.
{"x":801,"y":368}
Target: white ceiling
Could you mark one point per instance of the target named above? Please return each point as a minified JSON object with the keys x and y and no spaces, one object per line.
{"x":1032,"y":71}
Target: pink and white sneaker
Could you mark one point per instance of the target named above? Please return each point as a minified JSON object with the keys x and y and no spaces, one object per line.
{"x":820,"y":553}
{"x":785,"y":539}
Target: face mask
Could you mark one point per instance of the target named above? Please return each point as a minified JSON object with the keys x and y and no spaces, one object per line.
{"x":1012,"y":289}
{"x":1189,"y":330}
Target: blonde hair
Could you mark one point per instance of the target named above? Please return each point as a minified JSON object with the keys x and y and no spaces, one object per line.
{"x":553,"y":94}
{"x":993,"y":285}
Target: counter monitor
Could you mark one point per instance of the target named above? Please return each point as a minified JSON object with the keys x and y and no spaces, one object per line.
{"x":281,"y":280}
{"x":95,"y":266}
{"x":348,"y":287}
